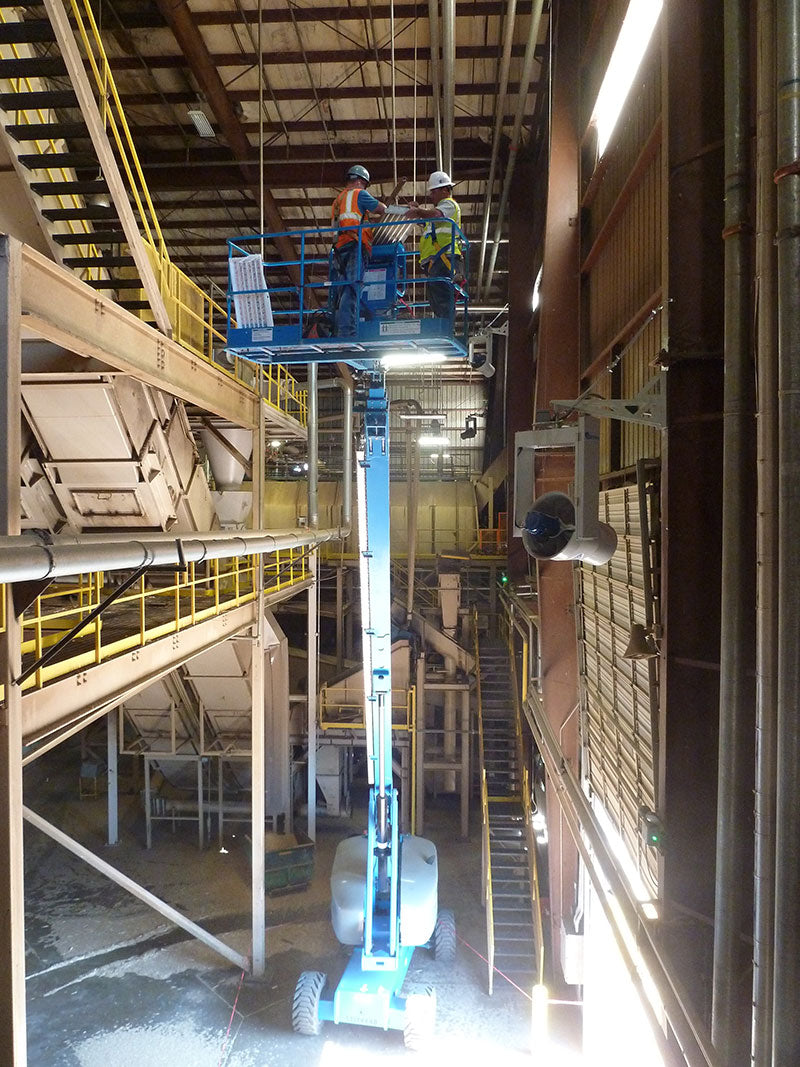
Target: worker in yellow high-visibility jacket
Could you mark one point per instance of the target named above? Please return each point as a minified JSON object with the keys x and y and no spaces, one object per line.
{"x":441,"y":248}
{"x":351,"y":250}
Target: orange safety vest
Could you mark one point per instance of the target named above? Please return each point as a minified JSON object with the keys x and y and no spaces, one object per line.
{"x":345,"y":213}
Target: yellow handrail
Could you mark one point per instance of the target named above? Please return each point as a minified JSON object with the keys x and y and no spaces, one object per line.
{"x":536,"y":903}
{"x":144,"y":613}
{"x":486,"y":849}
{"x":42,"y":147}
{"x":198,"y":321}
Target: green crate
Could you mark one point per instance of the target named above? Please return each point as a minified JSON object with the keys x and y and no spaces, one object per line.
{"x":289,"y":862}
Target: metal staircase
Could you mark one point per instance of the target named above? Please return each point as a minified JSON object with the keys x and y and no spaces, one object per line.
{"x":510,"y":889}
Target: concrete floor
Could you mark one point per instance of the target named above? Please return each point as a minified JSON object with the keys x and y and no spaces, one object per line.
{"x":111,"y":983}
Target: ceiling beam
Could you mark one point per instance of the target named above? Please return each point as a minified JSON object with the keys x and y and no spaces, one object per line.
{"x":279,"y":176}
{"x":141,"y":16}
{"x":197,"y":57}
{"x":338,"y":92}
{"x":302,"y":126}
{"x":469,"y":149}
{"x":314,"y":57}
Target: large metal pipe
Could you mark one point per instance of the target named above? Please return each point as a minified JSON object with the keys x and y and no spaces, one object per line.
{"x":733,"y":908}
{"x":785,"y":1032}
{"x":500,"y":106}
{"x":516,"y":134}
{"x":448,"y":82}
{"x":28,"y":558}
{"x":313,"y":447}
{"x":435,"y":79}
{"x":766,"y":540}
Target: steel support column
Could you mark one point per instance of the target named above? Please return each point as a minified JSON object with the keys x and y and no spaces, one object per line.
{"x":112,"y":760}
{"x":692,"y":338}
{"x":518,"y":382}
{"x":786,"y":1032}
{"x":419,"y":770}
{"x":558,"y":375}
{"x":733,"y":912}
{"x":258,"y":724}
{"x":12,"y":908}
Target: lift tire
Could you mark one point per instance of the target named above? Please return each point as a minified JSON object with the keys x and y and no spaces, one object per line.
{"x":444,"y":937}
{"x":420,"y":1020}
{"x":305,"y":1006}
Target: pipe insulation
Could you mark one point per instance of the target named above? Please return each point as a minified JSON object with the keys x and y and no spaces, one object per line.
{"x":25,"y":560}
{"x":785,"y":1031}
{"x":516,"y":136}
{"x":766,"y":538}
{"x":733,"y":903}
{"x":505,"y":67}
{"x":448,"y":82}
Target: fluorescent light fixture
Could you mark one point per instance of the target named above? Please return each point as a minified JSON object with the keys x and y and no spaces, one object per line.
{"x":634,"y":37}
{"x":536,"y":287}
{"x":200,"y":122}
{"x":416,"y":358}
{"x":297,"y":468}
{"x":432,"y":440}
{"x":275,"y":444}
{"x":434,"y":455}
{"x":429,"y":416}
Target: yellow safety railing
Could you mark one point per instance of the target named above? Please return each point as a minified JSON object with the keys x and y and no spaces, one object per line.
{"x":486,"y":851}
{"x":343,"y":709}
{"x":43,"y":146}
{"x":198,"y":321}
{"x":536,"y":902}
{"x":146,"y":612}
{"x":487,"y":882}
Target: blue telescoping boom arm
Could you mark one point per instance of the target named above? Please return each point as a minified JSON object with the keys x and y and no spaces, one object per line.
{"x":381,"y":918}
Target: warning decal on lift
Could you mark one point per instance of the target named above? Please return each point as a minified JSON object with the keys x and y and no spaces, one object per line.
{"x":262,"y":335}
{"x":401,"y":327}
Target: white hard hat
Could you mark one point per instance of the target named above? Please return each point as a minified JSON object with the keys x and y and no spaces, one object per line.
{"x":438,"y":179}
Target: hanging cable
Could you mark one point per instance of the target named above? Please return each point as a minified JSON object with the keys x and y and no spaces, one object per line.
{"x":394,"y":96}
{"x":260,"y":130}
{"x":414,"y":168}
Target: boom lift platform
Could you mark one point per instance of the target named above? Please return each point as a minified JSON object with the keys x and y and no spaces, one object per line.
{"x":384,"y":885}
{"x":272,"y":318}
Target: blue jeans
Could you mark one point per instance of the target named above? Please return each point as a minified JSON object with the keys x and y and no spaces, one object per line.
{"x":345,"y":298}
{"x":441,"y":295}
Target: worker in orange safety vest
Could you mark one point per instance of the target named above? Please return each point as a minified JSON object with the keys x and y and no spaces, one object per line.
{"x":352,"y":246}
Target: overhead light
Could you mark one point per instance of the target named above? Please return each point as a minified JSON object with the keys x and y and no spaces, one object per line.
{"x":634,"y":37}
{"x":305,"y":466}
{"x":201,"y":122}
{"x":434,"y":455}
{"x":427,"y":417}
{"x":536,"y":287}
{"x":297,"y":468}
{"x":417,"y":358}
{"x":433,"y":440}
{"x":275,"y":444}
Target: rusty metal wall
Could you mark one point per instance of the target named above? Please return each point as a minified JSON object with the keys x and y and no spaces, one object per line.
{"x":619,"y":724}
{"x":622,"y":262}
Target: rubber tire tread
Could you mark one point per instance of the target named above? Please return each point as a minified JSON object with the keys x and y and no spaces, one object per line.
{"x":420,"y":1020}
{"x":305,"y":1005}
{"x":444,"y":937}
